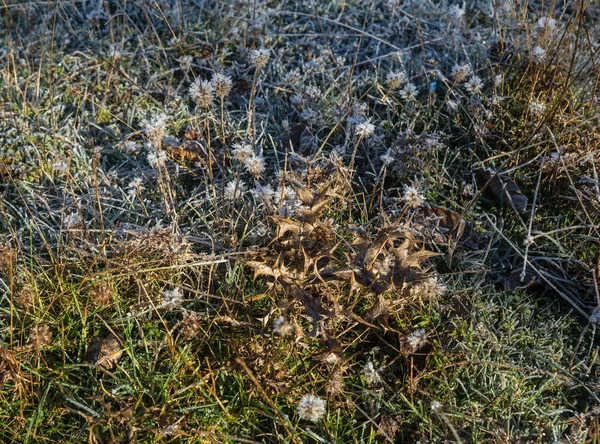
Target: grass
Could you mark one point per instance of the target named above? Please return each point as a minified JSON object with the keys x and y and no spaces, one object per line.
{"x":396,"y":213}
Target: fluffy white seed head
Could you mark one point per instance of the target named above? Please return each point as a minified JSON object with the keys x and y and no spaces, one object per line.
{"x":311,"y":407}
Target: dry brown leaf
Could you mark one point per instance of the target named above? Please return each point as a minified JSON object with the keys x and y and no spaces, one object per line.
{"x":450,"y":221}
{"x":105,"y":350}
{"x":414,"y":260}
{"x":503,"y":189}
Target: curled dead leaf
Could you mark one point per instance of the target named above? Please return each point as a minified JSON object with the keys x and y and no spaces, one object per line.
{"x":105,"y":350}
{"x":502,"y":188}
{"x":448,"y":223}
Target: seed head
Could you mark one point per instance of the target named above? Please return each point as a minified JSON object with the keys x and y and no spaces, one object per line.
{"x":311,"y":407}
{"x":234,"y":190}
{"x":260,"y":57}
{"x":202,"y":92}
{"x":412,"y":196}
{"x":255,"y":165}
{"x":538,"y":54}
{"x":409,"y":91}
{"x":395,"y":79}
{"x":365,"y":129}
{"x":460,"y":73}
{"x":537,"y":108}
{"x":417,"y":339}
{"x":370,"y":374}
{"x":222,"y":85}
{"x":242,"y":151}
{"x":474,"y":84}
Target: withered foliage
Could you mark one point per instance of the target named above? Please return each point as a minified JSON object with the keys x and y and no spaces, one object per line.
{"x":310,"y":252}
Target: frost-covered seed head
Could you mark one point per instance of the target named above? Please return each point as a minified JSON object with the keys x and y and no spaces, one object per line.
{"x":222,"y":85}
{"x":538,"y":54}
{"x":460,"y":73}
{"x":395,"y":79}
{"x":255,"y":165}
{"x":202,"y":91}
{"x":260,"y":57}
{"x":282,"y":327}
{"x":474,"y":84}
{"x":545,"y":24}
{"x":155,"y":128}
{"x":537,"y":108}
{"x":156,"y":158}
{"x":436,"y":406}
{"x":365,"y":129}
{"x":242,"y":151}
{"x":387,"y":158}
{"x":264,"y":193}
{"x":173,"y":297}
{"x":417,"y":339}
{"x":370,"y":374}
{"x":412,"y":196}
{"x":409,"y":91}
{"x":234,"y":190}
{"x":311,"y":407}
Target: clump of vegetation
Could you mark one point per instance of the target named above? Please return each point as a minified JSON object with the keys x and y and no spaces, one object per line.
{"x":333,"y":222}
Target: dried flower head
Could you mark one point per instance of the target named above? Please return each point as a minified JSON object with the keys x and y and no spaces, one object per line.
{"x":436,"y":407}
{"x":242,"y":151}
{"x":255,"y":165}
{"x":409,"y":92}
{"x":370,"y":374}
{"x":545,"y":24}
{"x":173,"y":297}
{"x":157,"y":158}
{"x":155,"y":128}
{"x":72,"y":220}
{"x":190,"y":325}
{"x":538,"y":54}
{"x":234,"y":190}
{"x":416,"y":340}
{"x":202,"y":91}
{"x":412,"y":196}
{"x":264,"y":193}
{"x":365,"y":129}
{"x":311,"y":407}
{"x":474,"y":85}
{"x":102,"y":294}
{"x":222,"y":85}
{"x":40,"y":336}
{"x":395,"y":79}
{"x":387,"y":158}
{"x":537,"y":108}
{"x":282,"y":327}
{"x":460,"y":73}
{"x":185,"y":62}
{"x":60,"y":166}
{"x":260,"y":57}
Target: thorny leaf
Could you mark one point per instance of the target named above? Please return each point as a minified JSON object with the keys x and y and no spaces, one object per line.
{"x":502,"y":188}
